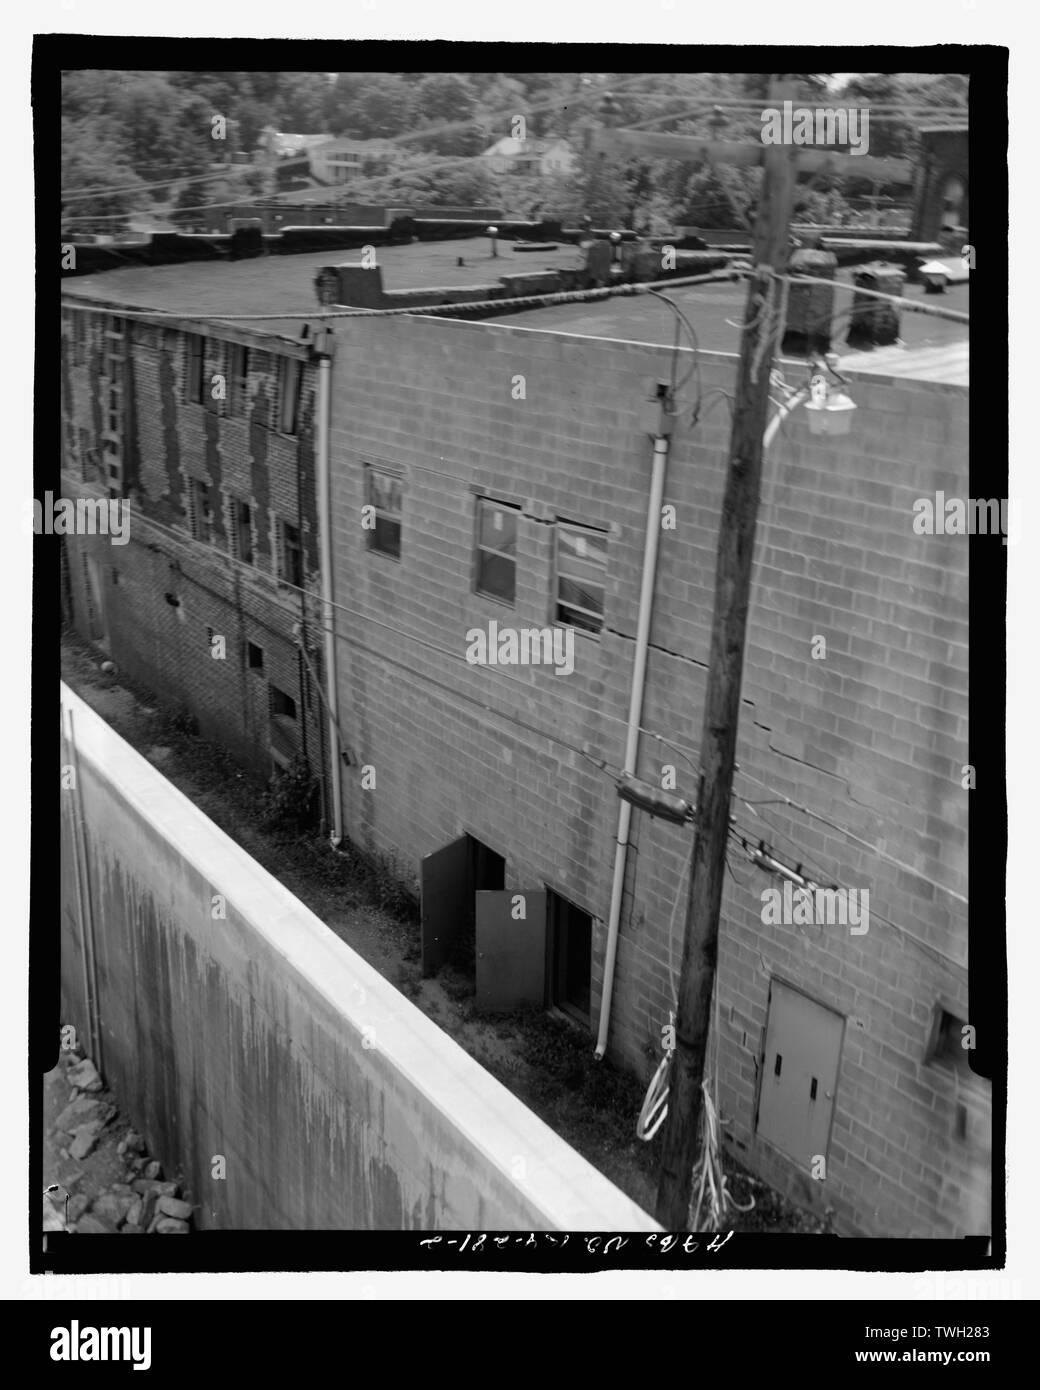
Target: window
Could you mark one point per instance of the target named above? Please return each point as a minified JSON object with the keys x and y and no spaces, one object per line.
{"x":193,"y":375}
{"x":254,"y":657}
{"x":383,"y":494}
{"x":289,"y":373}
{"x":238,"y":386}
{"x":292,"y":556}
{"x":241,"y":530}
{"x":581,"y":571}
{"x":496,"y":549}
{"x":200,"y":512}
{"x":948,"y":1037}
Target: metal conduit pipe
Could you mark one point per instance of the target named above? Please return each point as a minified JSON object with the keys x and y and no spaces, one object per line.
{"x":325,"y":547}
{"x":635,"y":714}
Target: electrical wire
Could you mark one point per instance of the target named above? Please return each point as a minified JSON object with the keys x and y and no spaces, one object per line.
{"x":220,"y":558}
{"x":434,"y":310}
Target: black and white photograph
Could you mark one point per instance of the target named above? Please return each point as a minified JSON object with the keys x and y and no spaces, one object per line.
{"x":526,"y":559}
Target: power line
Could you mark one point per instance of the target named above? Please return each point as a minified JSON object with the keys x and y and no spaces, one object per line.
{"x":441,"y":310}
{"x":214,"y":557}
{"x":436,"y":310}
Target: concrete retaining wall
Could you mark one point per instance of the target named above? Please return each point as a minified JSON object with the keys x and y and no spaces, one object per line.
{"x":261,"y":1037}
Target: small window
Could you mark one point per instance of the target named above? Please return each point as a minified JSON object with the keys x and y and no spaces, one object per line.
{"x":289,"y":373}
{"x":241,"y":531}
{"x":384,"y":496}
{"x":292,"y":556}
{"x":581,"y":571}
{"x":238,"y":387}
{"x":496,"y":549}
{"x":200,"y":518}
{"x":948,"y":1039}
{"x":193,"y":377}
{"x":254,"y":657}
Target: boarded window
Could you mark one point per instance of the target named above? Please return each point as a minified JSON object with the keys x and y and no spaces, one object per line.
{"x":238,"y":387}
{"x":193,"y":370}
{"x":241,"y":530}
{"x":384,"y":495}
{"x":581,"y":572}
{"x":292,"y":555}
{"x":289,"y":374}
{"x":200,"y":511}
{"x":496,"y":549}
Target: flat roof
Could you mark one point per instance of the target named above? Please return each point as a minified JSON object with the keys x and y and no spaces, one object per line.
{"x":932,"y":349}
{"x":269,"y":284}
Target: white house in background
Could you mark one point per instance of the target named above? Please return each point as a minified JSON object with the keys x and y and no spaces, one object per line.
{"x":279,"y":144}
{"x":338,"y":158}
{"x":548,"y":155}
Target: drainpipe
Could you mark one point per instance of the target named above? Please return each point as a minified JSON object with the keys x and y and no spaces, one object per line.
{"x":323,"y":352}
{"x":635,"y":712}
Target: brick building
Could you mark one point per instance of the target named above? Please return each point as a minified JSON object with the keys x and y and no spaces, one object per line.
{"x":508,"y":472}
{"x":489,"y":473}
{"x":208,"y":433}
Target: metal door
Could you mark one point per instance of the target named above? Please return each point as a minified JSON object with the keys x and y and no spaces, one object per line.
{"x":800,"y":1075}
{"x":446,"y":906}
{"x":510,"y":950}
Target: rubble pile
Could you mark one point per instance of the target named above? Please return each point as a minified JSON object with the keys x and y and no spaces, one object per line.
{"x":103,"y":1166}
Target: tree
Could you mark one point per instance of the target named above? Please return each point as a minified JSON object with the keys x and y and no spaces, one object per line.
{"x":370,"y":105}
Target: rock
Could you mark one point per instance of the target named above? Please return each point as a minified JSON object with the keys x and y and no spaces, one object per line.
{"x":171,"y":1206}
{"x":52,"y":1217}
{"x":130,"y":1228}
{"x":136,"y":1212}
{"x":92,"y":1225}
{"x":84,"y":1139}
{"x":121,"y":1189}
{"x":143,"y":1186}
{"x":137,"y":1164}
{"x":170,"y":1226}
{"x":78,"y":1112}
{"x":153,"y":1170}
{"x":77,"y":1206}
{"x":133,"y":1143}
{"x":84,"y":1076}
{"x":112,"y":1208}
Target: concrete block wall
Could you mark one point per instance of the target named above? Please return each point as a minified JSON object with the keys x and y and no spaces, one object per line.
{"x":871,"y":738}
{"x":172,"y":441}
{"x":255,"y":1034}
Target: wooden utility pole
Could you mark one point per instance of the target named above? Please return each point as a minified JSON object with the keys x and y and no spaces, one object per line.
{"x":722,"y":701}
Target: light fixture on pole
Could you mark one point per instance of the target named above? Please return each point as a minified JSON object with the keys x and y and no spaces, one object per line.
{"x":830,"y":409}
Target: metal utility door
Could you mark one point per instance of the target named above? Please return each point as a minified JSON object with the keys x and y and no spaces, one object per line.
{"x":446,"y":907}
{"x":800,"y":1076}
{"x":510,"y":950}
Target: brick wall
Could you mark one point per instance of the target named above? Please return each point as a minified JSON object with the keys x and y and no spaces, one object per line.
{"x":872,"y":738}
{"x":236,"y":450}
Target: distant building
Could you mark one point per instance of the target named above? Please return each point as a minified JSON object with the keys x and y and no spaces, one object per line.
{"x":541,"y":157}
{"x":278,"y":144}
{"x":336,"y":160}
